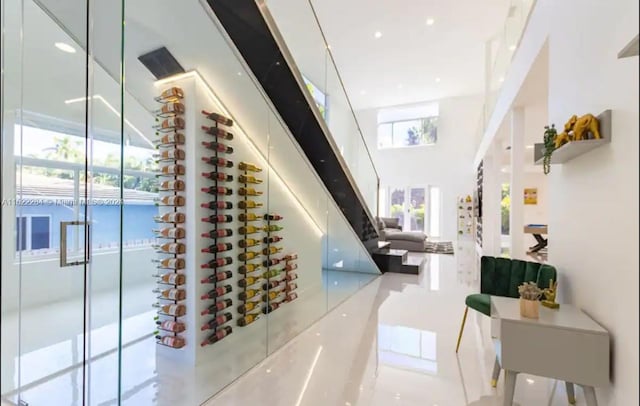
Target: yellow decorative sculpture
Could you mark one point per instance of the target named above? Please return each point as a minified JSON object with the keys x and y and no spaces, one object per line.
{"x":550,"y":295}
{"x":576,"y":129}
{"x":585,"y":124}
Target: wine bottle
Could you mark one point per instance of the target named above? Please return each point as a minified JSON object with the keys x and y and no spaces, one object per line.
{"x":246,"y":230}
{"x":219,"y":176}
{"x":220,"y":190}
{"x":219,"y":118}
{"x":171,"y":248}
{"x":248,"y":256}
{"x":271,"y":239}
{"x":217,"y":146}
{"x":291,"y":296}
{"x":217,"y":322}
{"x":225,"y":163}
{"x":249,"y":242}
{"x":170,"y":94}
{"x":172,"y":200}
{"x":177,"y":279}
{"x":249,"y":204}
{"x":249,"y":167}
{"x":176,"y":310}
{"x":217,"y":292}
{"x":171,"y":123}
{"x":247,"y":307}
{"x":171,"y":108}
{"x":219,"y":247}
{"x":174,"y":217}
{"x":290,"y":287}
{"x":216,"y":263}
{"x":172,"y":185}
{"x":248,"y":268}
{"x":271,"y":285}
{"x":291,"y":276}
{"x":270,"y":295}
{"x":246,"y":320}
{"x":249,"y":191}
{"x":248,"y":217}
{"x":272,"y":227}
{"x":174,"y":154}
{"x":217,"y":132}
{"x":291,"y":257}
{"x":217,"y":218}
{"x":171,"y":325}
{"x":217,"y":205}
{"x":249,"y":179}
{"x":273,"y":217}
{"x":171,"y":341}
{"x":248,"y":294}
{"x":271,"y":262}
{"x":272,"y":273}
{"x":272,"y":306}
{"x":170,"y":232}
{"x":222,"y":233}
{"x":170,"y":263}
{"x":217,"y":277}
{"x":248,"y":281}
{"x":217,"y":306}
{"x":171,"y":170}
{"x":217,"y":336}
{"x":271,"y":250}
{"x":169,"y":140}
{"x":172,"y":294}
{"x":290,"y":267}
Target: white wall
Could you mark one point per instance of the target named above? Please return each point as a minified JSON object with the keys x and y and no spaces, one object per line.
{"x":593,"y":199}
{"x":445,"y":165}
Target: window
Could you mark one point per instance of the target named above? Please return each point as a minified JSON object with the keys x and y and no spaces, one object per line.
{"x":33,"y":233}
{"x":408,"y":133}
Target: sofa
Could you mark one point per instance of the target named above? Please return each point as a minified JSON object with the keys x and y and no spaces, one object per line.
{"x":391,"y":231}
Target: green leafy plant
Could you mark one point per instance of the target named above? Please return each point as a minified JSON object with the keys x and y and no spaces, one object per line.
{"x":550,"y":134}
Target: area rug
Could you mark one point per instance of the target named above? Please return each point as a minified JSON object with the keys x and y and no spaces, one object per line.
{"x":439,"y":248}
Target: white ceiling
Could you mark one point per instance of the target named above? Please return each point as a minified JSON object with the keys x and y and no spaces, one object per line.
{"x":403,"y":65}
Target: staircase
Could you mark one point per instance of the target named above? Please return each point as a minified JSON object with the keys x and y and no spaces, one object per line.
{"x":397,"y":261}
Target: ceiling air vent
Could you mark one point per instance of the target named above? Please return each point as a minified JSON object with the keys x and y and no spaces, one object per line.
{"x":161,"y":63}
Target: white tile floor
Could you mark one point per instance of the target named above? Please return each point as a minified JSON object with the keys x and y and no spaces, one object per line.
{"x":392,"y":343}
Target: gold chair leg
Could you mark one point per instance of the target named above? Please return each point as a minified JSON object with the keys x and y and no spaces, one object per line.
{"x":464,"y":319}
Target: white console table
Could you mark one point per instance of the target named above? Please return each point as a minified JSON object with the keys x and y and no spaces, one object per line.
{"x":563,"y":344}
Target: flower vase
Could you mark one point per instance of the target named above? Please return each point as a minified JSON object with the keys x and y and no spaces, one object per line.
{"x":529,"y":308}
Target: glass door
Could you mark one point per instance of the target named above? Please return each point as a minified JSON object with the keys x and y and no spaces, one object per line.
{"x":59,"y":328}
{"x":408,"y":205}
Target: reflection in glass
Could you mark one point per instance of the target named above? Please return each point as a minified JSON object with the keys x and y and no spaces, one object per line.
{"x":407,"y":348}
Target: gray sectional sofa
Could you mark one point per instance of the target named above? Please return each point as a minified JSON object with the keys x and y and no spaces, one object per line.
{"x":391,"y":231}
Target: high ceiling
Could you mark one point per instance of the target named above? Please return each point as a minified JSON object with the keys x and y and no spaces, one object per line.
{"x":412,"y":60}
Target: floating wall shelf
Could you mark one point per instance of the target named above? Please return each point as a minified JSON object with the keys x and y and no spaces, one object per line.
{"x":631,"y":49}
{"x":573,"y":149}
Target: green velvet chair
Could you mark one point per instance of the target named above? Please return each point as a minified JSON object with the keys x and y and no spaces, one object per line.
{"x":501,"y":277}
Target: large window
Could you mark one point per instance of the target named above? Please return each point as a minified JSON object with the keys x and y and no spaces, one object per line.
{"x":408,"y":133}
{"x":34,"y":233}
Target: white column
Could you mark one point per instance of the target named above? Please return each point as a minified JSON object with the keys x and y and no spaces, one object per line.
{"x":516,"y":220}
{"x":491,"y":196}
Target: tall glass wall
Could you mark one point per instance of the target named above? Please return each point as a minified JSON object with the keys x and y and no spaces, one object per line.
{"x":116,"y":198}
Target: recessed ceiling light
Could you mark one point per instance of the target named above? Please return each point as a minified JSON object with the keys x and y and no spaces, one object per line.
{"x":377,"y":34}
{"x":501,"y":79}
{"x":437,"y":80}
{"x":529,"y":146}
{"x":239,"y":73}
{"x":64,"y":47}
{"x":530,"y":381}
{"x":344,"y":314}
{"x":430,"y":21}
{"x":512,"y":47}
{"x":363,"y":92}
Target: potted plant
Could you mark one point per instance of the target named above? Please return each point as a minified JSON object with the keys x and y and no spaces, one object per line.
{"x":529,"y":300}
{"x":550,"y":134}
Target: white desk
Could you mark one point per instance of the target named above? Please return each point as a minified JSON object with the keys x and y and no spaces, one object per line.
{"x":564,"y":344}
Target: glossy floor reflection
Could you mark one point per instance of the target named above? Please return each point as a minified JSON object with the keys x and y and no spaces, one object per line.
{"x":393,"y":343}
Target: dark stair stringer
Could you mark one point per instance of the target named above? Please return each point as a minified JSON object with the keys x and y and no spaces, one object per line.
{"x":247,"y":28}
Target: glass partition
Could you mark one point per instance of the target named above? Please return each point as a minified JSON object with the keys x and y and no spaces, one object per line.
{"x":185,"y":270}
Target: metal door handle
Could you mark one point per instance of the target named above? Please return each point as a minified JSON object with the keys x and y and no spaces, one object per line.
{"x":63,"y":243}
